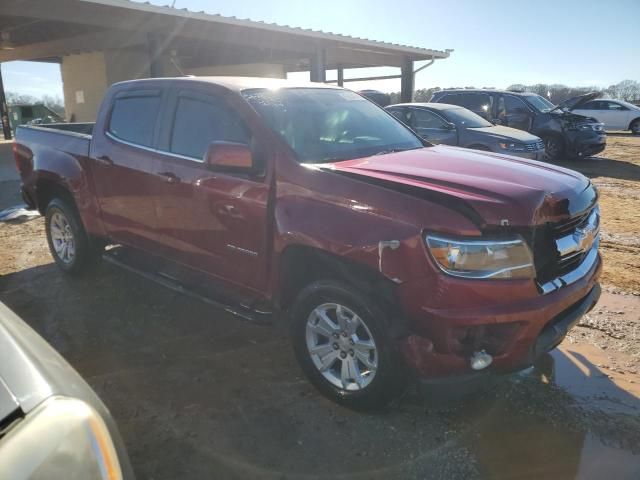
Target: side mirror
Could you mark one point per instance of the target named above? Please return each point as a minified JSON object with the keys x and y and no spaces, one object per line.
{"x":497,"y":121}
{"x":451,"y":126}
{"x":229,"y":155}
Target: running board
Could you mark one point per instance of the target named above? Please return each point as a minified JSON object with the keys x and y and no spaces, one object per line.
{"x":241,"y":310}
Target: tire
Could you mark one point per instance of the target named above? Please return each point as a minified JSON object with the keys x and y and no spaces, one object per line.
{"x":635,"y":127}
{"x":363,"y":350}
{"x":553,"y":148}
{"x":68,"y":241}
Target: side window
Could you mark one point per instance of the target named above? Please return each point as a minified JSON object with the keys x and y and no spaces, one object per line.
{"x":199,"y":122}
{"x":589,"y":106}
{"x":616,"y":107}
{"x":479,"y":103}
{"x":133,"y":118}
{"x":452,"y":98}
{"x":514,"y":105}
{"x":401,"y":114}
{"x":426,"y":119}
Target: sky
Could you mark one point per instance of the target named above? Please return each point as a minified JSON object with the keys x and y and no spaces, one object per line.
{"x":496,"y":43}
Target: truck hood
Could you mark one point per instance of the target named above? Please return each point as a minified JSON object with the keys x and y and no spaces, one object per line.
{"x":502,"y":190}
{"x":507,"y":133}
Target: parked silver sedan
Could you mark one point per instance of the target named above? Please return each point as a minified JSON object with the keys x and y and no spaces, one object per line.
{"x":52,"y":424}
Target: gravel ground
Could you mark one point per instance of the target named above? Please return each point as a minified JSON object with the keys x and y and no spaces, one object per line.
{"x":200,"y":394}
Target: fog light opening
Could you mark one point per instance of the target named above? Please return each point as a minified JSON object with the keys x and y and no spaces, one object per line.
{"x":480,"y":360}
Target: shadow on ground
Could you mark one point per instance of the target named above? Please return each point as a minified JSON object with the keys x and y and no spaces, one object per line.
{"x":594,"y":167}
{"x":200,"y":394}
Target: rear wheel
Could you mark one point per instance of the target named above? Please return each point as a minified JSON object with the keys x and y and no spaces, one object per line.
{"x":68,"y":241}
{"x":553,"y":148}
{"x":342,"y":343}
{"x":635,"y":127}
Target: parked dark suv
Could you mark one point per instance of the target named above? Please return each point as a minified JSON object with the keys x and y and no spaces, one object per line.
{"x":564,"y":133}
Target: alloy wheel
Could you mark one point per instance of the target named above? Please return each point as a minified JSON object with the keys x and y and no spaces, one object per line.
{"x":62,"y":238}
{"x":341,"y":346}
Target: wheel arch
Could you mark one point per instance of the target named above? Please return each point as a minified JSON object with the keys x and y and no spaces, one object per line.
{"x":301,"y":265}
{"x":47,"y":189}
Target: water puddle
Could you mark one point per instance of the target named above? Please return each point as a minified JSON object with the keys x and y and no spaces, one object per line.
{"x":563,"y":419}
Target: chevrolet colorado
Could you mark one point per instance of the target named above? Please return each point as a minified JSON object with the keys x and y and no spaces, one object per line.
{"x":388,"y":255}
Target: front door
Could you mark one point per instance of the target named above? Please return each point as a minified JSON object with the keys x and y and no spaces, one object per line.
{"x":211,"y":221}
{"x":432,"y":127}
{"x":123,"y":171}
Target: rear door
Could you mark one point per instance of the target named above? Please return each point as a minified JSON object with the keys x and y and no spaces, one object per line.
{"x":615,"y":115}
{"x":123,"y":170}
{"x":513,"y":112}
{"x":432,"y":127}
{"x":211,"y":221}
{"x":590,"y":109}
{"x":478,"y":103}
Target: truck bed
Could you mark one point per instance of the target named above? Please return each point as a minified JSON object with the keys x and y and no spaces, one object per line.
{"x":71,"y":138}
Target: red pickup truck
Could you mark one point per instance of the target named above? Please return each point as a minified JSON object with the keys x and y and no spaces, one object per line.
{"x":388,"y":255}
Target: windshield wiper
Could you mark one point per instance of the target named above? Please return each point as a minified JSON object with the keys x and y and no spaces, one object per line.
{"x":394,"y":150}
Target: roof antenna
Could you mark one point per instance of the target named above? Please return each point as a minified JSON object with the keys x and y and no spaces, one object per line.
{"x":173,"y":4}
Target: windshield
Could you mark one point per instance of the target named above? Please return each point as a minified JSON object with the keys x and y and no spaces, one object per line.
{"x":540,"y":103}
{"x":326,"y":125}
{"x":465,"y":118}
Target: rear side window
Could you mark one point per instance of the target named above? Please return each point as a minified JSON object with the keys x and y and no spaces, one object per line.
{"x":133,"y":118}
{"x":452,"y":98}
{"x":479,"y":103}
{"x":400,"y":114}
{"x":589,"y":106}
{"x":426,"y":119}
{"x":199,"y":122}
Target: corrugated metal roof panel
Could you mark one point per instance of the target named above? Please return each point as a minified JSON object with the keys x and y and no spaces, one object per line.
{"x":274,"y":27}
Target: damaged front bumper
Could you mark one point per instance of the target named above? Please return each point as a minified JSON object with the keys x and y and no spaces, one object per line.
{"x":511,"y":321}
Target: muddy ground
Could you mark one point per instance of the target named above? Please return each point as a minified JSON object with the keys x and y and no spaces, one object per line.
{"x":200,"y":394}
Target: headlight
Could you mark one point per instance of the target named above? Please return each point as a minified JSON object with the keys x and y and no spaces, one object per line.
{"x":512,"y":146}
{"x":482,"y":258}
{"x":61,"y":438}
{"x":587,"y":127}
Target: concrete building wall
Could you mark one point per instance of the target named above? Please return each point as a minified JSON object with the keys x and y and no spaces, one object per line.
{"x":87,"y":76}
{"x":248,"y":70}
{"x":84,"y":81}
{"x":126,"y":64}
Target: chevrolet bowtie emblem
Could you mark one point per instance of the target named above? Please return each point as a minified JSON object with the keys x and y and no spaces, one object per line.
{"x":585,"y":236}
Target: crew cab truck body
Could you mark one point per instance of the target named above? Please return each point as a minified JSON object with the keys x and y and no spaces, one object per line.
{"x":388,"y":254}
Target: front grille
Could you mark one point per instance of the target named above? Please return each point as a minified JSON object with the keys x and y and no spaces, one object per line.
{"x":565,"y":228}
{"x":532,"y":147}
{"x":549,"y":262}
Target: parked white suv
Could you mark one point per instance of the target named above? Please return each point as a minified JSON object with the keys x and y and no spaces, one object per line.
{"x":615,"y":114}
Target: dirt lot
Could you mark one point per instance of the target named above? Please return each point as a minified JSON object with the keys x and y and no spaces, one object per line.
{"x":199,"y":394}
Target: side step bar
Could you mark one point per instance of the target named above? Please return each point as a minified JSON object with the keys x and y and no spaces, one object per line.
{"x":241,"y":310}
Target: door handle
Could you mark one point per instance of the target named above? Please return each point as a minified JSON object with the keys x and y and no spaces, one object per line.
{"x":170,"y":177}
{"x":105,"y":161}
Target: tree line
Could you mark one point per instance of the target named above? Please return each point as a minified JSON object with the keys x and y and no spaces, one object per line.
{"x":53,"y":102}
{"x":627,"y":90}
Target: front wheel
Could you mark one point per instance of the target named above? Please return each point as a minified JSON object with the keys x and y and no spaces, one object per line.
{"x":553,"y":148}
{"x":68,"y":241}
{"x":635,"y":127}
{"x":342,"y":343}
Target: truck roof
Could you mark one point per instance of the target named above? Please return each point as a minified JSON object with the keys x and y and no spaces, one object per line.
{"x":236,"y":83}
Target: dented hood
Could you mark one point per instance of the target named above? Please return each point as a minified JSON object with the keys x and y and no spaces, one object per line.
{"x":500,"y":189}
